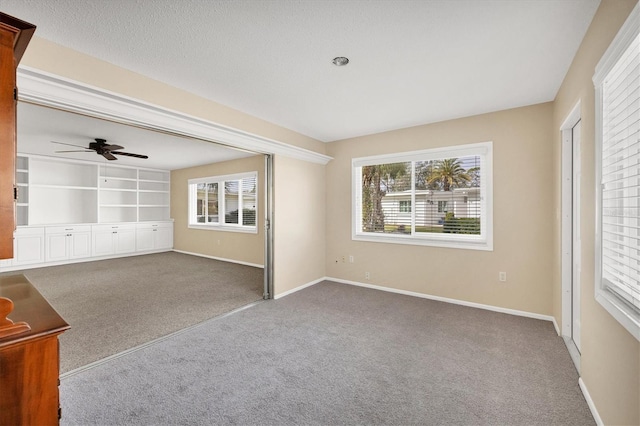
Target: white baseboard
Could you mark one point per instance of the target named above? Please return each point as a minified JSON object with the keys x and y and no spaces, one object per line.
{"x":555,"y":325}
{"x":79,"y":260}
{"x":255,"y":265}
{"x":590,"y":403}
{"x":303,"y":286}
{"x":448,"y":300}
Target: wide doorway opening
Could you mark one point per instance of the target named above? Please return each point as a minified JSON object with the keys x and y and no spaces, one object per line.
{"x":109,"y":241}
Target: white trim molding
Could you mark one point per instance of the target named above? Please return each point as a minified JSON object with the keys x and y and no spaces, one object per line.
{"x":570,"y":221}
{"x":427,"y":296}
{"x":301,"y":287}
{"x":239,"y":262}
{"x":50,"y":90}
{"x":590,"y":403}
{"x":448,"y":300}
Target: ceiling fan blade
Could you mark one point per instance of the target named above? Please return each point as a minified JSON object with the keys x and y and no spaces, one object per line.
{"x":112,"y":147}
{"x":70,"y":144}
{"x":108,"y":156}
{"x":75,"y":150}
{"x":128,"y":154}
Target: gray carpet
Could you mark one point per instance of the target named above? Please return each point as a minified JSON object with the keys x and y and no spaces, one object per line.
{"x":116,"y":304}
{"x":334,"y":354}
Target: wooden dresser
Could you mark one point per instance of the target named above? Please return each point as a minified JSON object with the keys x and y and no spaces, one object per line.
{"x":29,"y":355}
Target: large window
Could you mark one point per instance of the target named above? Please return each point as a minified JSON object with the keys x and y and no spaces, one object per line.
{"x":617,"y":82}
{"x":439,"y":197}
{"x":224,"y":202}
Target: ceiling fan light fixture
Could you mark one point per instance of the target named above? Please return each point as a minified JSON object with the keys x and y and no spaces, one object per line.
{"x":340,"y":61}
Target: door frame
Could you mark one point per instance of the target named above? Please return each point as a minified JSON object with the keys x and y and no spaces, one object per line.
{"x":570,"y":226}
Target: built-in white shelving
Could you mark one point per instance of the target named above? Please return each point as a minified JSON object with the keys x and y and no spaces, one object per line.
{"x":75,"y":211}
{"x":55,"y":191}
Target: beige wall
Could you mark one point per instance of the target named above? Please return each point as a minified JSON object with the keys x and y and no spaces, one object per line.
{"x":523,"y":215}
{"x":237,"y":246}
{"x":299,"y":223}
{"x":610,"y":359}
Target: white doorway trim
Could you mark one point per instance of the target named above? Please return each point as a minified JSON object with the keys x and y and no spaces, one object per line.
{"x":570,"y":231}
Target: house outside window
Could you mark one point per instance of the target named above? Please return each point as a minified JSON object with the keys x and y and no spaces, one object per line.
{"x":439,"y":197}
{"x":617,"y":84}
{"x":227,"y":203}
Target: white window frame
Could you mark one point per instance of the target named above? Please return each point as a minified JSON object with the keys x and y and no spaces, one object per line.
{"x":624,"y":313}
{"x":484,"y":241}
{"x":221,"y":225}
{"x":404,"y":207}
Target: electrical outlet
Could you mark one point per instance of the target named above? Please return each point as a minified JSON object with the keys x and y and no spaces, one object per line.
{"x":350,"y":258}
{"x":367,"y":276}
{"x":344,"y":259}
{"x":502,"y":276}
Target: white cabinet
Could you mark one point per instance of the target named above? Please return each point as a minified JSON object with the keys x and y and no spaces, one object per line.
{"x":67,"y":242}
{"x":29,"y":246}
{"x":113,"y":239}
{"x":154,"y":236}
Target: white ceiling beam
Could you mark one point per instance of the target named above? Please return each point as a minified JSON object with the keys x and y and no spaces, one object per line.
{"x":46,"y":89}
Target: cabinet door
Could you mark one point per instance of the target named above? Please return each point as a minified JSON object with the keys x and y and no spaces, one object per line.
{"x":29,"y":248}
{"x":163,"y":238}
{"x":144,"y":239}
{"x":57,"y":247}
{"x":80,"y":245}
{"x":126,"y":241}
{"x":7,"y":142}
{"x":103,"y":242}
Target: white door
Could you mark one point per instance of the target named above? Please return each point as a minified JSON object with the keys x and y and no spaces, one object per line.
{"x":163,"y":237}
{"x":144,"y":239}
{"x":57,"y":247}
{"x":29,"y":246}
{"x":80,"y":245}
{"x":125,"y":240}
{"x":103,"y":242}
{"x":575,"y":240}
{"x":571,"y":244}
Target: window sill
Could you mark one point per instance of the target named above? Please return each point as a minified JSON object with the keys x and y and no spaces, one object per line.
{"x":431,"y":242}
{"x":226,"y":228}
{"x":628,"y":318}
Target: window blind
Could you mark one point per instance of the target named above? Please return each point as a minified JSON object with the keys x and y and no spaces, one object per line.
{"x":621,"y":177}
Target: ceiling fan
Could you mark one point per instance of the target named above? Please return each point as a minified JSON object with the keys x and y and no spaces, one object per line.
{"x":101,"y":147}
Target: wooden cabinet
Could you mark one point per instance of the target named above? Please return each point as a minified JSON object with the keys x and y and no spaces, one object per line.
{"x":29,"y":363}
{"x":14,"y":38}
{"x":67,"y":242}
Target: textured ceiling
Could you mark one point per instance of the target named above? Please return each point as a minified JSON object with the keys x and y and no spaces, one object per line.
{"x":412,"y":62}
